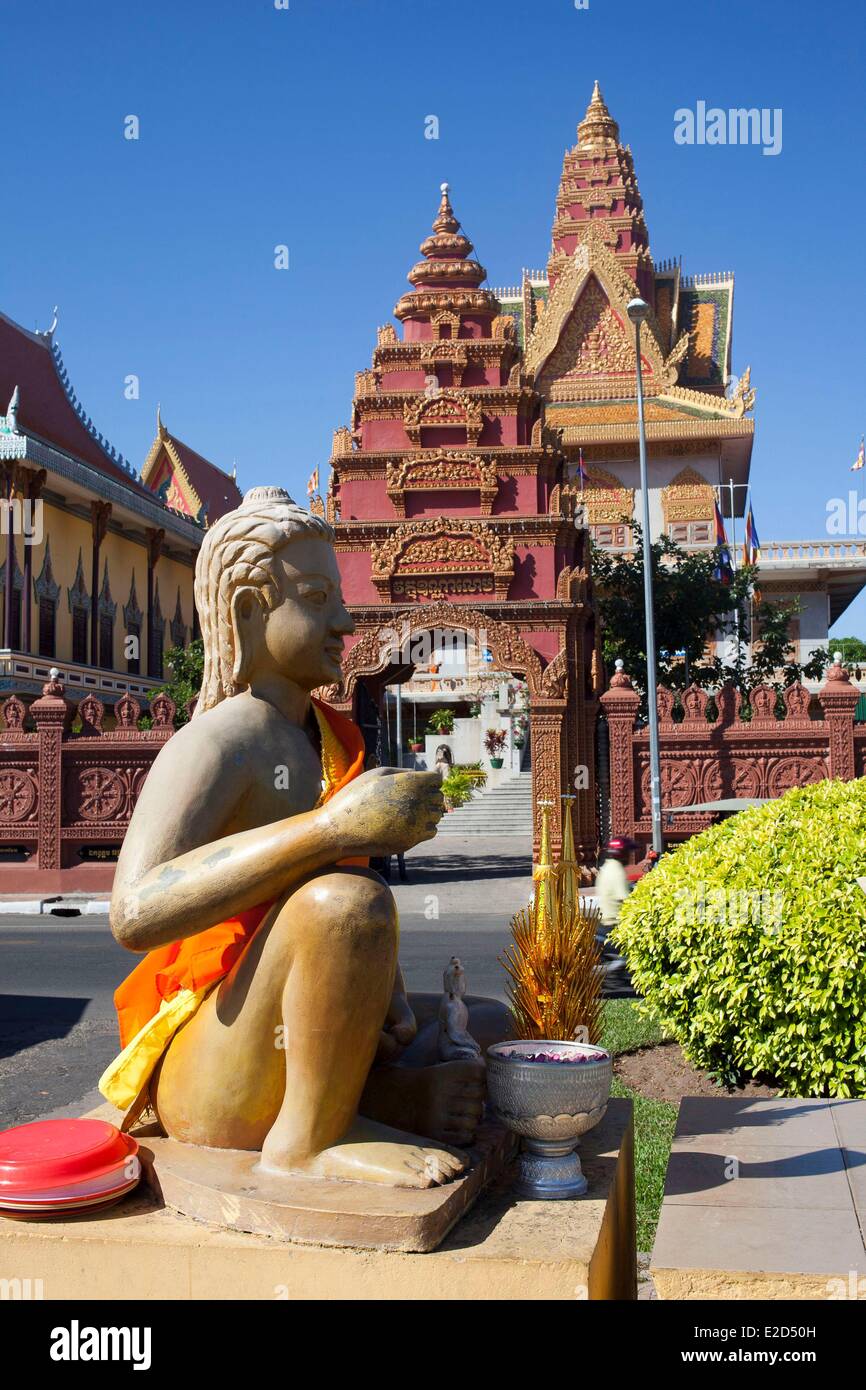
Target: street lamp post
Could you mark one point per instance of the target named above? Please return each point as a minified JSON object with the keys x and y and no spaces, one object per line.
{"x":637,"y":310}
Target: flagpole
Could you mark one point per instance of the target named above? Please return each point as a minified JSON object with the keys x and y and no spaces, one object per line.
{"x":637,"y":310}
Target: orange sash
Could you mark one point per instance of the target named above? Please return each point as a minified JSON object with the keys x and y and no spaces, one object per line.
{"x":201,"y":960}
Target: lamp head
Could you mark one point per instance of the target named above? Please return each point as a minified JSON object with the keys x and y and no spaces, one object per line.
{"x":637,"y":310}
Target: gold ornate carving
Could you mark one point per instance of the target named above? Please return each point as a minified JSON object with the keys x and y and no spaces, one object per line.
{"x":451,"y":408}
{"x":437,"y":552}
{"x":743,"y":398}
{"x":593,"y":258}
{"x":605,"y":498}
{"x":554,"y":680}
{"x":733,"y":407}
{"x":687,"y":497}
{"x":342,"y":442}
{"x":366,"y":382}
{"x":372,"y":653}
{"x":442,"y":472}
{"x":441,"y":319}
{"x":593,"y":342}
{"x":386,"y":336}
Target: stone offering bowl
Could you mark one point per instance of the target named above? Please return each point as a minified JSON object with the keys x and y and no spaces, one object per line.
{"x":550,"y":1104}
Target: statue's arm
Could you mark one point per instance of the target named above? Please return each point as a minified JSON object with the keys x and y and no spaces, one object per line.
{"x":184,"y":868}
{"x":185,"y":865}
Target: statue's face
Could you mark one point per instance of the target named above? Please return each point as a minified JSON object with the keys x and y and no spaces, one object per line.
{"x":302,"y":637}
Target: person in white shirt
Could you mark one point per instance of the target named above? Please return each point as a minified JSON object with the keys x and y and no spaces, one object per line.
{"x":611,"y":889}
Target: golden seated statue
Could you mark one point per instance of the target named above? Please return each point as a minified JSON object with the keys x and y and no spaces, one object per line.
{"x":270,"y":1012}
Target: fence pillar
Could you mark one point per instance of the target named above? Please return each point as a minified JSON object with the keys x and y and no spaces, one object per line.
{"x":50,"y":714}
{"x":621,"y":703}
{"x":838,"y":698}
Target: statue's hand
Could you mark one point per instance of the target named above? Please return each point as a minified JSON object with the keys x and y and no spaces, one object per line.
{"x":400,"y":1028}
{"x":385,"y":811}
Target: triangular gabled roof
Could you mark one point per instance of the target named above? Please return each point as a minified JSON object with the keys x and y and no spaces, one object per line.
{"x":190,"y":482}
{"x":48,"y":409}
{"x":593,"y":261}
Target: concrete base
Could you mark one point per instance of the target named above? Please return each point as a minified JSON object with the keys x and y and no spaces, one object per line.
{"x":503,"y":1249}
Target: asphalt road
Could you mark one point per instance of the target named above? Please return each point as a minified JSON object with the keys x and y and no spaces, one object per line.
{"x":57,"y":975}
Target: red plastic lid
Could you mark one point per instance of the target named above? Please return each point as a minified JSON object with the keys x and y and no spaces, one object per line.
{"x":53,"y":1153}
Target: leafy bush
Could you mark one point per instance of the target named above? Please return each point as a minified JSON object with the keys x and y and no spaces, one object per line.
{"x":186,"y":668}
{"x":457,"y":787}
{"x":494,"y":741}
{"x":748,"y":942}
{"x":441,"y":721}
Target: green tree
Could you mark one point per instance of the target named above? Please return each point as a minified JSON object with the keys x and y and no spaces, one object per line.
{"x":691,"y":605}
{"x":852,"y":649}
{"x":186,"y":666}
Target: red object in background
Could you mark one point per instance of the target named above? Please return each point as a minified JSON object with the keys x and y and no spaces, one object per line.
{"x":60,"y":1164}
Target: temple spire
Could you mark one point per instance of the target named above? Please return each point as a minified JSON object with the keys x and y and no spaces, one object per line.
{"x":448,"y":261}
{"x":445,"y":219}
{"x":598,"y":129}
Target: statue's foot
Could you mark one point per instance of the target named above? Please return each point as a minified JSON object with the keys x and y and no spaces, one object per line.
{"x":370,"y":1152}
{"x":445,"y":1101}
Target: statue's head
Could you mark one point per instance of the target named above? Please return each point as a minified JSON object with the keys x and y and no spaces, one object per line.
{"x":268,"y":595}
{"x":454,"y":978}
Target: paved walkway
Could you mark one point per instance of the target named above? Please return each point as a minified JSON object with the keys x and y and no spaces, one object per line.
{"x":764,"y":1199}
{"x":467,"y":876}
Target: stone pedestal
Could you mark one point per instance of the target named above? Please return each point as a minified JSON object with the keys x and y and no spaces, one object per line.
{"x":503,"y":1249}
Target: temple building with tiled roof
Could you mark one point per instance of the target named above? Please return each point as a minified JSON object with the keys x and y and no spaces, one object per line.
{"x":96,"y":572}
{"x":187,"y":482}
{"x":579,"y":354}
{"x":455,"y":529}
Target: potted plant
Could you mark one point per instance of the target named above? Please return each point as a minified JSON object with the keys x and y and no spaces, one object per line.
{"x":441,"y":721}
{"x":494,"y":742}
{"x":457,"y":788}
{"x":551,"y":1083}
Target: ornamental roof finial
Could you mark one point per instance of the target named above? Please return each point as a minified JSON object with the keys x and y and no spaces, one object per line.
{"x":12,"y":412}
{"x":445,"y":219}
{"x":598,"y":126}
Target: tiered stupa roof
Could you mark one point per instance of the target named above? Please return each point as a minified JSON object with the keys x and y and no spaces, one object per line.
{"x":448,"y":278}
{"x":598,"y":184}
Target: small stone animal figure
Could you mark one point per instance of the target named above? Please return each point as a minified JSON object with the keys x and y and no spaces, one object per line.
{"x":455,"y":1041}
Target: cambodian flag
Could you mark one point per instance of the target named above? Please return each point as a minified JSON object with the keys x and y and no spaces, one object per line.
{"x":751,"y":545}
{"x":861,"y":456}
{"x":724,"y":571}
{"x":581,"y":471}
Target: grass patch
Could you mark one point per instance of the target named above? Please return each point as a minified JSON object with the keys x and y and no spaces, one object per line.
{"x":624,"y":1030}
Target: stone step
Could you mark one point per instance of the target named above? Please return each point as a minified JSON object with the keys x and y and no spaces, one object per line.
{"x":503,"y":809}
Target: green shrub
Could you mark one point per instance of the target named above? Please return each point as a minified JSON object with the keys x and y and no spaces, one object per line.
{"x":748,"y":942}
{"x":441,"y":721}
{"x":457,"y":787}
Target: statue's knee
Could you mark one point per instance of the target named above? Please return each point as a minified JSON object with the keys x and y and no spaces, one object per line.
{"x":354,"y":906}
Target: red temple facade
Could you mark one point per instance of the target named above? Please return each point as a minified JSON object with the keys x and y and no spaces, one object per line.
{"x":452,"y":512}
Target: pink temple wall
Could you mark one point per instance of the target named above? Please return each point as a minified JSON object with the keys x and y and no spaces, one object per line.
{"x":536,"y":568}
{"x":366,"y":499}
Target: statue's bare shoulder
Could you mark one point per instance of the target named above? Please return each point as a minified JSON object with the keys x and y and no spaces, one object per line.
{"x":194,"y":790}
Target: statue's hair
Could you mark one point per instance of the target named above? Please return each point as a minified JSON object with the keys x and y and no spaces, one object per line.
{"x":238,"y":552}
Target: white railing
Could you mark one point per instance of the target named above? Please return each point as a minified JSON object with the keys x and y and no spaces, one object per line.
{"x":29,"y":673}
{"x":846,"y":548}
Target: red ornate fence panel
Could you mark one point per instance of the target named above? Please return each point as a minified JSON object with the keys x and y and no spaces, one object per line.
{"x":703,"y":760}
{"x":66,"y":798}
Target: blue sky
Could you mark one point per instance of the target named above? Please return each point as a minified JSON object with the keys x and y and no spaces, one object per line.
{"x":305,"y":127}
